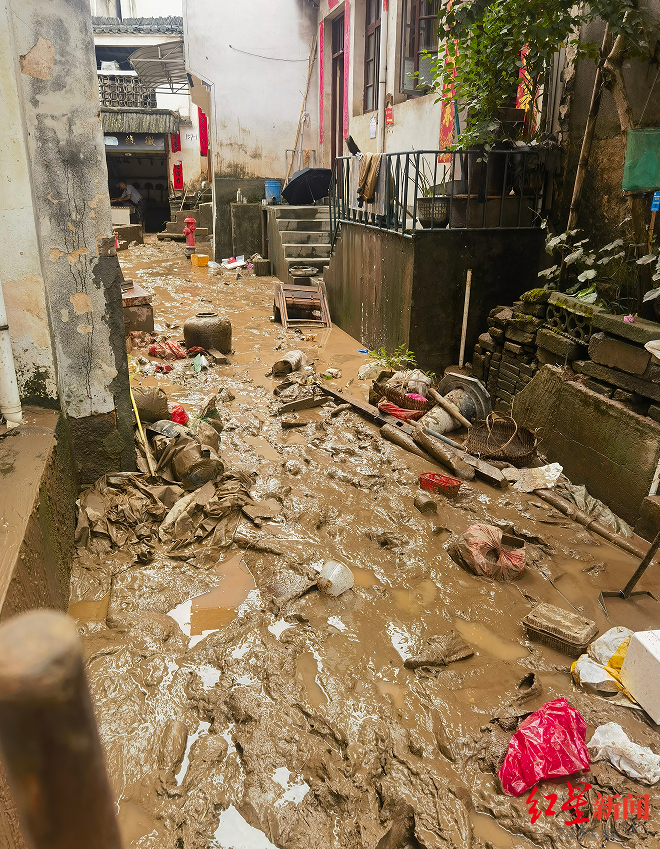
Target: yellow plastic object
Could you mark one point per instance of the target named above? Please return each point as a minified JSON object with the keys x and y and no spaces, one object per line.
{"x":199,"y":260}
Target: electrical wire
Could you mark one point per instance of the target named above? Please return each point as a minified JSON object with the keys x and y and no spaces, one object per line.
{"x":271,"y":58}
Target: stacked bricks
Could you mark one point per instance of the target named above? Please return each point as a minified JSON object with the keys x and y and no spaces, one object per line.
{"x":606,"y":353}
{"x":505,"y":358}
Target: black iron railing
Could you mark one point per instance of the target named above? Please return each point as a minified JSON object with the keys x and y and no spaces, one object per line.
{"x":428,"y":189}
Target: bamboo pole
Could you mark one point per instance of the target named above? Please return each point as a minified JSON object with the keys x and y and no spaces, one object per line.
{"x":312,"y":57}
{"x":585,"y":151}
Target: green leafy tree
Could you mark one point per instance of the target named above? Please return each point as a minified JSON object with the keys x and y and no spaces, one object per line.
{"x":485,"y":41}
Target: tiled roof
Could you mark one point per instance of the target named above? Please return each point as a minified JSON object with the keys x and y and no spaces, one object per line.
{"x":140,"y":26}
{"x":139,"y":120}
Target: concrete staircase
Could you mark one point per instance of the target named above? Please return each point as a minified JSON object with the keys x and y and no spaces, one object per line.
{"x":298,"y":235}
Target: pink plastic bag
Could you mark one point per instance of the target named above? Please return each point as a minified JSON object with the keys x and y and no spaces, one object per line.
{"x":549,"y":743}
{"x":485,"y":553}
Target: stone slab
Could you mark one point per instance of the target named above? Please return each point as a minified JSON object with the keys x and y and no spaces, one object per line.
{"x":487,"y":342}
{"x":529,"y":370}
{"x":135,"y":297}
{"x":478,"y":366}
{"x":596,"y":386}
{"x":526,"y":322}
{"x":648,"y":524}
{"x":565,"y":348}
{"x":497,"y":333}
{"x":640,"y":331}
{"x":654,"y":412}
{"x":503,"y":395}
{"x":546,"y":358}
{"x":600,"y":444}
{"x":506,"y":385}
{"x":512,"y":347}
{"x":614,"y":353}
{"x":523,"y":337}
{"x":620,"y":379}
{"x":536,"y":310}
{"x":573,"y":304}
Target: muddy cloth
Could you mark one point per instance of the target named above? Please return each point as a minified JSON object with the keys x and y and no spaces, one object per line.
{"x":368,"y":179}
{"x":124,"y":510}
{"x":151,"y":403}
{"x":579,"y":496}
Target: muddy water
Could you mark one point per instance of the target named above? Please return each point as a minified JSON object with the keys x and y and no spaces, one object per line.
{"x":317,"y":686}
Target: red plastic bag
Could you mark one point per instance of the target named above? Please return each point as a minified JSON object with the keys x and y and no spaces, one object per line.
{"x":549,"y":743}
{"x":483,"y":552}
{"x":179,"y":415}
{"x":386,"y":406}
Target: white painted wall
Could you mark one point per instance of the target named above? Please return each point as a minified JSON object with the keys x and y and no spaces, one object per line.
{"x":256,"y":101}
{"x":23,"y":284}
{"x":416,"y":120}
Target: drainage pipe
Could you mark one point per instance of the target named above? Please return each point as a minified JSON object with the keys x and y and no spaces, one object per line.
{"x":382,"y":75}
{"x":10,"y":401}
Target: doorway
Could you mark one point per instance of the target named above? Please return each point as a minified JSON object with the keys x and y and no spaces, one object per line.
{"x":337,"y":118}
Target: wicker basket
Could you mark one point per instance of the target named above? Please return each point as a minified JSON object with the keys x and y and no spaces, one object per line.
{"x":433,"y":212}
{"x":401,"y":400}
{"x":501,"y":439}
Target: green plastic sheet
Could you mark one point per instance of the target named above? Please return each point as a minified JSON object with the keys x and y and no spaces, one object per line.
{"x":641,"y":171}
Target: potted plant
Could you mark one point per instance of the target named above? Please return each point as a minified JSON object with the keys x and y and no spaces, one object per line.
{"x":432,"y":200}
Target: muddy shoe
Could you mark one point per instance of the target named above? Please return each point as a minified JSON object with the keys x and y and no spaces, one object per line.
{"x":440,"y":651}
{"x":528,"y":688}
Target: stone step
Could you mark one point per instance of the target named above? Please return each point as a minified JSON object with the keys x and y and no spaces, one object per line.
{"x":306,"y":251}
{"x":301,"y":212}
{"x":315,"y":225}
{"x":174,"y":227}
{"x":300,"y":237}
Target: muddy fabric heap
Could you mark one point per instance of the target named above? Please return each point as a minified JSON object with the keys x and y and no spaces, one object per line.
{"x":125,"y":510}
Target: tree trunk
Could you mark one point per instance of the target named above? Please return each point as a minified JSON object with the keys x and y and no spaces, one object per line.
{"x":589,"y":132}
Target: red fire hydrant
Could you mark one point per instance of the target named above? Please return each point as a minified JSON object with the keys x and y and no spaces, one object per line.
{"x":189,"y":233}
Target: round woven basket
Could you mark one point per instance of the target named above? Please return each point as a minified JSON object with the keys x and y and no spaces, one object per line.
{"x":405,"y":403}
{"x":501,"y":439}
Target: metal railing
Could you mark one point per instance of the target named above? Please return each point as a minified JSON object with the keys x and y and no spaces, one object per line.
{"x":427,"y":189}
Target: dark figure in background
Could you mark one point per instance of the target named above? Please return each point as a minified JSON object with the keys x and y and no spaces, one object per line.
{"x":131,"y":194}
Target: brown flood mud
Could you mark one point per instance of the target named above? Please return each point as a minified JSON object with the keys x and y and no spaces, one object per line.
{"x":240,"y":708}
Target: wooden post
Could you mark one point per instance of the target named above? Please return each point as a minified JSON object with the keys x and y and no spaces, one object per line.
{"x":466,"y":312}
{"x":48,"y":737}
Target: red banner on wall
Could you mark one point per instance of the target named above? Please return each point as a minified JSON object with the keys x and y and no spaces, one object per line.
{"x":175,"y":142}
{"x":321,"y":78}
{"x":347,"y":54}
{"x":447,"y":116}
{"x":177,"y":176}
{"x":203,"y":133}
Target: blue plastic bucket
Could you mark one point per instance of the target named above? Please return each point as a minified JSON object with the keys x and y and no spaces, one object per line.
{"x":273,"y":191}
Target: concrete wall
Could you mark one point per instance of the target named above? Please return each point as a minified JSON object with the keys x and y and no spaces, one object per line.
{"x":73,"y":298}
{"x":605,"y":206}
{"x":370,"y":285}
{"x":388,"y":289}
{"x":599,"y":442}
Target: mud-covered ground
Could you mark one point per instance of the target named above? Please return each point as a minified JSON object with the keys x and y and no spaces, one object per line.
{"x":249,"y":720}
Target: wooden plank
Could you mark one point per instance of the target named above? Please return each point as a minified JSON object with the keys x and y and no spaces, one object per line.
{"x":302,"y":404}
{"x":367,"y":410}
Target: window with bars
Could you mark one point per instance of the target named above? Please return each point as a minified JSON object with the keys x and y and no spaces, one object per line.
{"x":371,"y":55}
{"x":419,"y":44}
